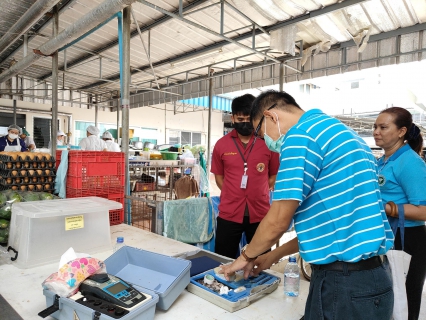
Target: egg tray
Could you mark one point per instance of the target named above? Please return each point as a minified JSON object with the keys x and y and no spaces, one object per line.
{"x":19,"y":165}
{"x":7,"y":173}
{"x":18,"y":186}
{"x":31,"y":180}
{"x":7,"y":158}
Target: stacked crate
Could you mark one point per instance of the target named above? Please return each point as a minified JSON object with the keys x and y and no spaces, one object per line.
{"x":27,"y":171}
{"x":96,"y":173}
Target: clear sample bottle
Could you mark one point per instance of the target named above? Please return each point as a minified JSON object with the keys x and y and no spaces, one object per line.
{"x":291,"y":277}
{"x":119,"y":244}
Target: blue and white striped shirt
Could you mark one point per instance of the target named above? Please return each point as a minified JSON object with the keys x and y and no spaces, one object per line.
{"x":332,"y":172}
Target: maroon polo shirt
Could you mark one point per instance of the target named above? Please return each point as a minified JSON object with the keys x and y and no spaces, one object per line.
{"x":227,"y":161}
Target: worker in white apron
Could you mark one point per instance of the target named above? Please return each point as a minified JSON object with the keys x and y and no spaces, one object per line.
{"x":11,"y":142}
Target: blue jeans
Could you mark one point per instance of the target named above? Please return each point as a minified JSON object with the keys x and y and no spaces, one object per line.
{"x":337,"y":295}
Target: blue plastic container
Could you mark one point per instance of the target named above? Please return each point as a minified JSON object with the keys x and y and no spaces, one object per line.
{"x":166,"y":276}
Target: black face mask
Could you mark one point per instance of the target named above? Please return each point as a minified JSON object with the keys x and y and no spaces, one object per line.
{"x":244,"y":128}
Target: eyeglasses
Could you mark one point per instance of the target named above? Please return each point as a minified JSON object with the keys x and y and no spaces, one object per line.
{"x":256,"y":132}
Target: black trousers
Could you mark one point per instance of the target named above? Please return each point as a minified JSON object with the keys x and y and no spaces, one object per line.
{"x":228,"y":236}
{"x":415,"y":244}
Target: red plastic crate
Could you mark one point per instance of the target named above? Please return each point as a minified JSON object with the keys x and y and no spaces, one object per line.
{"x":115,"y":216}
{"x":95,"y":171}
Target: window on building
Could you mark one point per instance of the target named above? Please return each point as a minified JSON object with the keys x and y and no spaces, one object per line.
{"x":184,"y":137}
{"x":42,"y":129}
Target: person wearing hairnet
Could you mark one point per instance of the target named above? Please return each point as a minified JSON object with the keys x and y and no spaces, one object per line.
{"x":29,"y":142}
{"x":12,"y":142}
{"x":92,"y":142}
{"x":59,"y":139}
{"x":111,"y":145}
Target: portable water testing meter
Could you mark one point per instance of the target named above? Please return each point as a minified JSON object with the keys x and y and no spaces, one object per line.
{"x":111,"y":289}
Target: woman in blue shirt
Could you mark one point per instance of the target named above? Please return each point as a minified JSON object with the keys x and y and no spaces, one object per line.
{"x":402,"y":180}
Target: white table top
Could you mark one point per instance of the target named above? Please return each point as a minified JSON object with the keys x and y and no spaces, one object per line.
{"x":22,"y":287}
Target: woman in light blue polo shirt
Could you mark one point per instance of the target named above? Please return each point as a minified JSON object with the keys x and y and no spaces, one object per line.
{"x":402,"y":181}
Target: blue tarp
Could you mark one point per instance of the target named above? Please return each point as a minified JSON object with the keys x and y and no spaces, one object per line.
{"x":219,"y":103}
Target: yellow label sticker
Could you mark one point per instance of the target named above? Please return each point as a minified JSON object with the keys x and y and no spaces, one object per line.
{"x":74,"y":222}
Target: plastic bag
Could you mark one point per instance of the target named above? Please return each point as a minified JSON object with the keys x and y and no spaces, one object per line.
{"x":186,"y":155}
{"x":66,"y":281}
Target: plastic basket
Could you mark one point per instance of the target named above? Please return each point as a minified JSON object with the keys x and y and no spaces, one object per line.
{"x":169,"y":155}
{"x":95,"y":171}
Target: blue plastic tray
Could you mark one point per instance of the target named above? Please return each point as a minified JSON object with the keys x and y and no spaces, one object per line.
{"x":264,"y":279}
{"x":166,"y":276}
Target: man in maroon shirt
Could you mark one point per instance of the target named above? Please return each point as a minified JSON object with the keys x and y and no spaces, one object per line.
{"x":245,"y":171}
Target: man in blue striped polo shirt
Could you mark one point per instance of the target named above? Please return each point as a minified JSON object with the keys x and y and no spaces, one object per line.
{"x":327,"y":183}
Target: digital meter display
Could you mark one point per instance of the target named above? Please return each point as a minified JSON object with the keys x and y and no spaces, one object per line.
{"x":118,"y":287}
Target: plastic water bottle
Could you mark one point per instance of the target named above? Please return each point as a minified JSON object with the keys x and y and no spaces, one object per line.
{"x":119,"y":244}
{"x":291,"y":277}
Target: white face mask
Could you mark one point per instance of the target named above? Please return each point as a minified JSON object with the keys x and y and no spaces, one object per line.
{"x":13,"y":136}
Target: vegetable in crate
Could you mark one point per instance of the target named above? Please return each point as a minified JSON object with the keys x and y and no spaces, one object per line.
{"x":4,"y":224}
{"x":31,"y":196}
{"x":4,"y":235}
{"x":46,"y":196}
{"x":3,"y":199}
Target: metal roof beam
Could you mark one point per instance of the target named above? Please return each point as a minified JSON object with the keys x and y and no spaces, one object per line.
{"x":133,"y":34}
{"x":205,"y":29}
{"x":63,"y":5}
{"x":244,"y":36}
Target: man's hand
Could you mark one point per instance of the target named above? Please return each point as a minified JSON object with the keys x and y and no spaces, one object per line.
{"x":265,"y":261}
{"x":238,"y":264}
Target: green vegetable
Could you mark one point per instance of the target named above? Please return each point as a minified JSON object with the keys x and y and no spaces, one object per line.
{"x":4,"y":224}
{"x":6,"y":212}
{"x":15,"y":197}
{"x":46,"y":196}
{"x":3,"y":199}
{"x":4,"y":235}
{"x":31,"y":196}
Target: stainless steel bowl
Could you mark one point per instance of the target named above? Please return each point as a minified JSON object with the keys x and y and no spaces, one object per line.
{"x":148,"y":145}
{"x":137,"y":144}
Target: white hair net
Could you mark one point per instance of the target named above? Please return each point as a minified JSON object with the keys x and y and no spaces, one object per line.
{"x":14,"y":126}
{"x":107,"y":135}
{"x":93,"y":130}
{"x":60,"y":133}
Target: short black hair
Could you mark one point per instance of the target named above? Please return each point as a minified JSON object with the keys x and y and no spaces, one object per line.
{"x":267,"y":99}
{"x":242,"y":105}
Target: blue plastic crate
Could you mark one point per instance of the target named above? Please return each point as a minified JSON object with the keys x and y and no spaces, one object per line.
{"x":166,"y":276}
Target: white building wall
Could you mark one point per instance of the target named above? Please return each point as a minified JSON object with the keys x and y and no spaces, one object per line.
{"x":148,"y":117}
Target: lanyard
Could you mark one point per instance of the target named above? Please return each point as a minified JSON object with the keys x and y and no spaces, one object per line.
{"x":241,"y":154}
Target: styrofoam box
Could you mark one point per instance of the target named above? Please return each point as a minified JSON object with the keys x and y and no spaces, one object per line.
{"x":41,"y":231}
{"x":166,"y":276}
{"x":68,"y":308}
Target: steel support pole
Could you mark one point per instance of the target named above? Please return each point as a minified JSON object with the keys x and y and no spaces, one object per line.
{"x":55,"y":75}
{"x":281,"y":79}
{"x":125,"y":104}
{"x":209,"y":125}
{"x":96,"y":110}
{"x":14,"y":111}
{"x":118,"y":120}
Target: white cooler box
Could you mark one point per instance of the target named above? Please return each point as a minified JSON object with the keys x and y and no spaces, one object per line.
{"x":41,"y":231}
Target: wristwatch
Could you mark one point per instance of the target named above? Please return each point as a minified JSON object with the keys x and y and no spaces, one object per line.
{"x":243,"y":253}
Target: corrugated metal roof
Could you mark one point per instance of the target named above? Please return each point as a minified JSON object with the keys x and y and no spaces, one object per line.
{"x":219,"y":103}
{"x":172,"y":40}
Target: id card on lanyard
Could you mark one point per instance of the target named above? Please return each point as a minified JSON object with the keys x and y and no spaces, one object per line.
{"x":244,"y":178}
